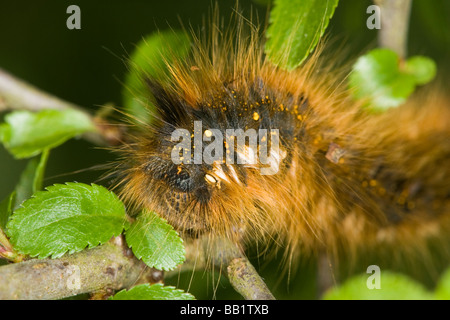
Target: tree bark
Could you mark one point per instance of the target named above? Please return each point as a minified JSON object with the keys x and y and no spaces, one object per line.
{"x":104,"y":267}
{"x":394,"y":25}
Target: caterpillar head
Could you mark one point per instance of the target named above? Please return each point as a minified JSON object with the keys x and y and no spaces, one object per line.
{"x":190,"y":170}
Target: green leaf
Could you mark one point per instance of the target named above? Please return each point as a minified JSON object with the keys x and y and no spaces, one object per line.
{"x":31,"y":178}
{"x":376,"y":76}
{"x":295,"y":29}
{"x":443,"y":287}
{"x":422,"y":68}
{"x":380,"y":78}
{"x":152,"y":292}
{"x":392,"y":287}
{"x":26,"y":134}
{"x":66,"y":218}
{"x":6,"y":209}
{"x":149,"y":61}
{"x":154,"y":241}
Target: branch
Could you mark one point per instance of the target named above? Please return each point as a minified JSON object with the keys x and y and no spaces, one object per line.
{"x":394,"y":25}
{"x":219,"y":253}
{"x":245,"y":280}
{"x":16,"y":94}
{"x":113,"y":267}
{"x":108,"y":266}
{"x":325,"y":274}
{"x":241,"y":274}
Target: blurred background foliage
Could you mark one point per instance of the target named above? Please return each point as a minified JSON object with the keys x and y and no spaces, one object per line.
{"x":87,"y":66}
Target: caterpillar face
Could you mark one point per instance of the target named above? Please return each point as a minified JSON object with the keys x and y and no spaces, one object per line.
{"x":177,"y":172}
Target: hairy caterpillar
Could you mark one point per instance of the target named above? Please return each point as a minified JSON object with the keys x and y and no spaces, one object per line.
{"x":347,"y":181}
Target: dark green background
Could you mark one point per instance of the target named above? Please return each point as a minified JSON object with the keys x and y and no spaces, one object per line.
{"x":86,"y":66}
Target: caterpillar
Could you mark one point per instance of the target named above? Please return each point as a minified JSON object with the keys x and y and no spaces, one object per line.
{"x":345,"y":180}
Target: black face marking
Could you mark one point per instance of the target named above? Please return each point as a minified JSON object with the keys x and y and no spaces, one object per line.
{"x":175,"y":176}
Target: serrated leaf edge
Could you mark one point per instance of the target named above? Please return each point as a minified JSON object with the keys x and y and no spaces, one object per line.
{"x":89,"y":244}
{"x":179,"y":240}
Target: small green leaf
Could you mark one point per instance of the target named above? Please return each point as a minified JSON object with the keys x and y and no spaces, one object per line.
{"x":152,"y":292}
{"x":384,"y":81}
{"x":392,"y":287}
{"x":66,"y":218}
{"x":443,"y":286}
{"x":6,"y":209}
{"x":376,"y":76}
{"x":149,"y":61}
{"x":422,"y":68}
{"x":154,"y":241}
{"x":26,"y":134}
{"x":31,"y":178}
{"x":295,"y":29}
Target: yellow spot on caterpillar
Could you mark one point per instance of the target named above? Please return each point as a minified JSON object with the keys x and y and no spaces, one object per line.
{"x":373,"y":183}
{"x":179,"y":170}
{"x":299,"y":117}
{"x":382,"y":191}
{"x":255,"y":116}
{"x":317,"y":139}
